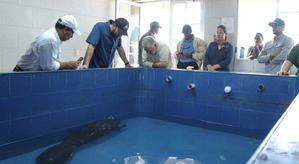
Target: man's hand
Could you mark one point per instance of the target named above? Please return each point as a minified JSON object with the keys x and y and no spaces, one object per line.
{"x":252,"y":55}
{"x":282,"y":72}
{"x":187,"y":55}
{"x":128,"y":66}
{"x":273,"y":55}
{"x":210,"y":68}
{"x":161,"y":64}
{"x":84,"y":66}
{"x":179,"y":55}
{"x":264,"y":53}
{"x":69,"y":65}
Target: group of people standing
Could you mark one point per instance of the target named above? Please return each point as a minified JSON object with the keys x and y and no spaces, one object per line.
{"x":192,"y":52}
{"x":277,"y":54}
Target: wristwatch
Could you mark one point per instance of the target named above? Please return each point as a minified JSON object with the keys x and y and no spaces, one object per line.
{"x":127,"y":63}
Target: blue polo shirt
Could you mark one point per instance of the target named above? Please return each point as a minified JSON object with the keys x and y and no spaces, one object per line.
{"x":222,"y":57}
{"x":187,"y":47}
{"x":105,"y":45}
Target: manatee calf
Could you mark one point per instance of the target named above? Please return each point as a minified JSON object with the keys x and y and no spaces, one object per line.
{"x":60,"y":153}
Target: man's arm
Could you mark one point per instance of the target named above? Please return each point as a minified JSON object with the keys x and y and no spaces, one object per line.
{"x":88,"y":55}
{"x":49,"y":63}
{"x":199,"y":53}
{"x":122,"y":55}
{"x":285,"y":68}
{"x":287,"y":46}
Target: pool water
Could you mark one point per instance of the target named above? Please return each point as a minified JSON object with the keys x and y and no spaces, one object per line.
{"x":152,"y":141}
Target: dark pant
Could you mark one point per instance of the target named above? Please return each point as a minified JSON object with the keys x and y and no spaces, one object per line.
{"x":184,"y":65}
{"x":17,"y":69}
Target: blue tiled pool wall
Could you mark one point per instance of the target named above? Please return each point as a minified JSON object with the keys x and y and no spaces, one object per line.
{"x":245,"y":108}
{"x":37,"y":104}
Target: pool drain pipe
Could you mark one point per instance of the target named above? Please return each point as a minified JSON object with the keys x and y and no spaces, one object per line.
{"x":227,"y":89}
{"x":168,"y":79}
{"x":260,"y":88}
{"x":191,"y":86}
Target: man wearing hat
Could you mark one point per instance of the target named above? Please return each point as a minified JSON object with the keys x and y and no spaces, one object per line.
{"x":103,"y":41}
{"x":191,"y":50}
{"x":275,"y":51}
{"x":44,"y":52}
{"x":154,"y":29}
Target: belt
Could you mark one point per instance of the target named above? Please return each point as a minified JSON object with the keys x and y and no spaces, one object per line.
{"x":17,"y":69}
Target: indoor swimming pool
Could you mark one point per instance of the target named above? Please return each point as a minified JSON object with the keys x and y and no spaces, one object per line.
{"x":172,"y":116}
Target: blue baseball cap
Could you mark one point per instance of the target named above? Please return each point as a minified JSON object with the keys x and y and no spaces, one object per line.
{"x":277,"y":22}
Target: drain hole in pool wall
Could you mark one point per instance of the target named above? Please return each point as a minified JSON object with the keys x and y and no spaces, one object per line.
{"x":191,"y":86}
{"x":168,"y":79}
{"x":260,"y":88}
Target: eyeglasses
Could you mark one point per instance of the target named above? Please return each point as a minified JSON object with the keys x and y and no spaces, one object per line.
{"x":150,"y":50}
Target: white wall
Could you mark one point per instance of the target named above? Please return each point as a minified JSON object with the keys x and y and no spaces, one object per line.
{"x":23,"y":20}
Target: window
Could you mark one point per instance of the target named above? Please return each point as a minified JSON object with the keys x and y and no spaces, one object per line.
{"x":185,"y":13}
{"x":172,"y":16}
{"x":254,"y":16}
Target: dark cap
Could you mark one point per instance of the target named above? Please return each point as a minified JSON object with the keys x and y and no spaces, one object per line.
{"x":187,"y":28}
{"x":277,"y":22}
{"x":123,"y":26}
{"x":155,"y":24}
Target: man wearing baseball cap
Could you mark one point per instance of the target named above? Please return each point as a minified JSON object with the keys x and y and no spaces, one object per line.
{"x":103,"y":41}
{"x":275,"y":51}
{"x":154,"y":29}
{"x":44,"y":52}
{"x":190,"y":50}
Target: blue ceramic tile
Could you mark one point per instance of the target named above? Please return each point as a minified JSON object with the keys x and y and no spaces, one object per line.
{"x":41,"y":124}
{"x":21,"y":129}
{"x":248,"y":119}
{"x":73,"y":80}
{"x":101,"y":78}
{"x":20,"y":84}
{"x":4,"y":135}
{"x":229,"y":116}
{"x":5,"y":109}
{"x":58,"y":81}
{"x":59,"y":120}
{"x":78,"y":116}
{"x":4,"y":87}
{"x":41,"y":82}
{"x":88,"y":79}
{"x":21,"y":107}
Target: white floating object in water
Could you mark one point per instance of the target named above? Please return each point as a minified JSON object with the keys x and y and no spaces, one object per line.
{"x":227,"y":89}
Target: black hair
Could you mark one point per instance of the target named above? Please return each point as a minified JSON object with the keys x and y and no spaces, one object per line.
{"x":59,"y":25}
{"x":224,"y":30}
{"x":260,"y":34}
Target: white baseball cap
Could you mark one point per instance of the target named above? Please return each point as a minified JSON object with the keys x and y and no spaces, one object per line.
{"x":71,"y":22}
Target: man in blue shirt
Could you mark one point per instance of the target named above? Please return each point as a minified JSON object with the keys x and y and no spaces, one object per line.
{"x":103,"y":41}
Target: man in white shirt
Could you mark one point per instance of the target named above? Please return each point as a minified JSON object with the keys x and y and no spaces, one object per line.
{"x":155,"y":54}
{"x":43,"y":54}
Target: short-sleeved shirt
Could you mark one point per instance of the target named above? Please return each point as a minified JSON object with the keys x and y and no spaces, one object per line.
{"x":187,"y":47}
{"x":222,"y":57}
{"x":140,"y":48}
{"x":105,"y":45}
{"x":43,"y":53}
{"x":162,"y":54}
{"x":293,"y":57}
